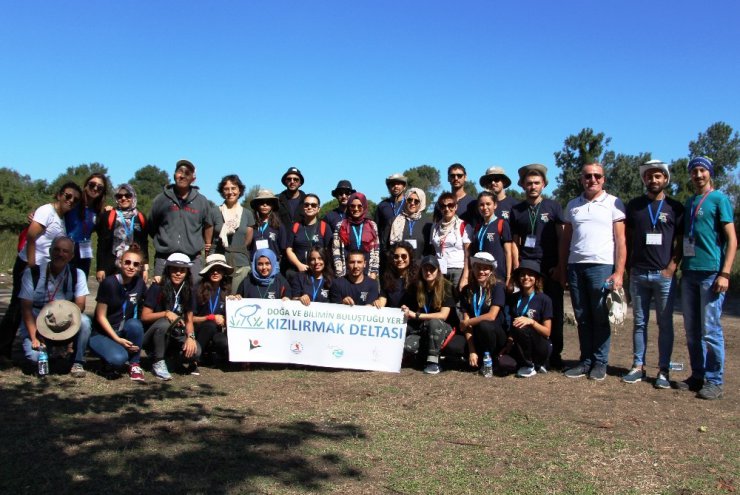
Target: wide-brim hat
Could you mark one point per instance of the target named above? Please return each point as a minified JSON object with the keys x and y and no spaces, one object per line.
{"x":531,"y":265}
{"x":59,"y":320}
{"x":343,"y":185}
{"x":217,"y":260}
{"x":292,"y":171}
{"x":532,"y":168}
{"x":491,"y":172}
{"x":178,"y":259}
{"x":483,"y":258}
{"x":264,"y":195}
{"x":654,"y":165}
{"x":396,"y":178}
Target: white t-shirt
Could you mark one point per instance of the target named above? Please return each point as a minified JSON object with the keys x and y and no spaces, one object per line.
{"x":54,"y":227}
{"x":450,"y":248}
{"x":593,"y":228}
{"x":54,"y":288}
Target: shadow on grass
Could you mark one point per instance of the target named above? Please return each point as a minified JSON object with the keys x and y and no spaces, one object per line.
{"x":158,"y":440}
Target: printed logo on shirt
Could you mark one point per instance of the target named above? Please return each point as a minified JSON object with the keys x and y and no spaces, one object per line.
{"x":531,"y":313}
{"x":363,"y":296}
{"x":545,"y":217}
{"x":663,"y":217}
{"x":491,"y":236}
{"x":273,"y":236}
{"x":505,"y":214}
{"x":325,"y":293}
{"x":270,"y":295}
{"x":315,"y":238}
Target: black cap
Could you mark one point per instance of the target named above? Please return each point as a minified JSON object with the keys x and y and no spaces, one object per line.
{"x":343,"y":185}
{"x":430,"y":260}
{"x":531,"y":265}
{"x":292,"y":171}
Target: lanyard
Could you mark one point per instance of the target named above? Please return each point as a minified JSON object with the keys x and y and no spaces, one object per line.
{"x":482,"y":235}
{"x":654,"y":219}
{"x":57,"y":283}
{"x":88,"y":224}
{"x":309,"y":238}
{"x":124,"y":295}
{"x":410,"y":223}
{"x":358,"y":234}
{"x":267,"y":290}
{"x":125,"y":304}
{"x":262,"y":228}
{"x":400,"y":207}
{"x":478,"y":301}
{"x":523,"y":311}
{"x":213,"y":303}
{"x":695,"y":211}
{"x":533,"y":218}
{"x":316,"y":288}
{"x":128,"y":229}
{"x":176,"y":306}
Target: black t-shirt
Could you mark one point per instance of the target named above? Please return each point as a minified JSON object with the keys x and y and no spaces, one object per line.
{"x":539,"y":308}
{"x":366,"y":292}
{"x":217,"y":300}
{"x":316,"y":289}
{"x":486,"y":238}
{"x":503,"y":207}
{"x":417,"y":233}
{"x":448,"y":301}
{"x":277,"y":289}
{"x":275,"y":239}
{"x":156,"y":301}
{"x":668,"y":223}
{"x":468,"y":302}
{"x":308,"y":236}
{"x":546,"y":216}
{"x":116,"y":296}
{"x":394,"y":296}
{"x":333,"y":218}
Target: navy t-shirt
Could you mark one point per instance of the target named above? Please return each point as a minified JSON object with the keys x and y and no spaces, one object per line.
{"x":546,"y":216}
{"x":308,"y":236}
{"x":503,"y":207}
{"x":156,"y":301}
{"x":116,"y":296}
{"x":277,"y":289}
{"x":417,"y":233}
{"x":539,"y":308}
{"x":669,"y":223}
{"x":498,"y":298}
{"x":316,"y":289}
{"x":394,"y":295}
{"x":486,"y":238}
{"x":217,"y":300}
{"x":275,"y":239}
{"x":333,"y":218}
{"x":386,"y":211}
{"x":366,"y":292}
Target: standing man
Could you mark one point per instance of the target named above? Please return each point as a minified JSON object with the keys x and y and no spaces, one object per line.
{"x":181,"y":221}
{"x":496,"y":181}
{"x":392,"y":206}
{"x":467,"y":210}
{"x":709,"y":247}
{"x":594,"y":249}
{"x":291,"y":199}
{"x":341,"y":193}
{"x":537,"y":226}
{"x":654,"y":229}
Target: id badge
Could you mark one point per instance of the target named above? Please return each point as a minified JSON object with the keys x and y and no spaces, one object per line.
{"x":688,"y":247}
{"x":262,"y":244}
{"x":412,"y":242}
{"x":530,"y":241}
{"x":86,"y":251}
{"x":442,"y":265}
{"x":653,"y":239}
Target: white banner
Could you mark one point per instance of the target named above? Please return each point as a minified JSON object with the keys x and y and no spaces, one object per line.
{"x":322,"y":334}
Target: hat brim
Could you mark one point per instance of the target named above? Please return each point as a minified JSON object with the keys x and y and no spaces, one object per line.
{"x":336,"y":191}
{"x":485,"y":181}
{"x":178,"y":263}
{"x":67,"y":308}
{"x":229,"y":269}
{"x":274,"y":202}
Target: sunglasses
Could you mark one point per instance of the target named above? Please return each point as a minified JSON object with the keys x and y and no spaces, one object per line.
{"x":310,"y":205}
{"x":400,"y":256}
{"x":343,"y":193}
{"x":456,"y":176}
{"x":92,"y":186}
{"x":292,"y":179}
{"x":413,"y":201}
{"x":593,"y":176}
{"x":124,"y":196}
{"x":449,"y":206}
{"x":135,"y":264}
{"x":354,"y":207}
{"x":71,"y":197}
{"x":178,"y":269}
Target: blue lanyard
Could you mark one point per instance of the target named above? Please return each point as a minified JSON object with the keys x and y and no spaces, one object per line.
{"x":400,"y":207}
{"x":694,"y":211}
{"x":128,"y":229}
{"x":262,"y":228}
{"x":478,"y":302}
{"x":316,"y":288}
{"x":482,"y":235}
{"x":654,"y":219}
{"x":213,"y":303}
{"x":411,"y":223}
{"x":523,"y":311}
{"x":358,"y":236}
{"x":125,"y":304}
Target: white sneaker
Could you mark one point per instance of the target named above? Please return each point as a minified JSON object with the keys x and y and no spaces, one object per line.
{"x":160,"y":370}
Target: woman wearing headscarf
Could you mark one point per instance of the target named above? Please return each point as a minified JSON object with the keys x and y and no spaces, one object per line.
{"x":412,"y":225}
{"x":356,"y":232}
{"x":265,"y":281}
{"x":118,"y":229}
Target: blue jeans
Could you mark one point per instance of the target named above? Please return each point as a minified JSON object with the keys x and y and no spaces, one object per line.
{"x":594,"y":334}
{"x":647,"y":285}
{"x":80,"y":340}
{"x":702,"y":310}
{"x":115,"y":354}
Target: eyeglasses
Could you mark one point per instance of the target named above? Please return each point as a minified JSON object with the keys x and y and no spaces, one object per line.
{"x":94,"y":186}
{"x":310,"y":205}
{"x":121,"y":196}
{"x":456,"y":176}
{"x":136,"y":264}
{"x":292,"y":179}
{"x":71,"y":197}
{"x":593,"y":176}
{"x":413,"y":201}
{"x":355,"y":207}
{"x":448,"y":206}
{"x":400,"y":256}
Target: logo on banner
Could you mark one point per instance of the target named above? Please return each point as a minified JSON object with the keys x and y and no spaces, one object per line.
{"x":337,"y":352}
{"x":296,"y":347}
{"x":253,"y":344}
{"x":247,"y":317}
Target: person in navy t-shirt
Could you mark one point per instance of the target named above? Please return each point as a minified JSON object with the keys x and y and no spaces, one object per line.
{"x":354,"y":288}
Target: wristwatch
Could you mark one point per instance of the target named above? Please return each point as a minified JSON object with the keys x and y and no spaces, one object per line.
{"x":191,"y":336}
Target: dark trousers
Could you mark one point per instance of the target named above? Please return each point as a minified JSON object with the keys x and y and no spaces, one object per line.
{"x":208,"y":332}
{"x":553,"y":289}
{"x":531,"y":348}
{"x":489,"y":336}
{"x":12,"y":319}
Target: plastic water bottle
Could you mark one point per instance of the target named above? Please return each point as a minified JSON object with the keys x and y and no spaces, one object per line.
{"x":675,"y":366}
{"x":608,"y":285}
{"x":43,"y":361}
{"x":487,"y":365}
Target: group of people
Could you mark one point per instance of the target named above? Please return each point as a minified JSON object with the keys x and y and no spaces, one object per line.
{"x":475,"y":277}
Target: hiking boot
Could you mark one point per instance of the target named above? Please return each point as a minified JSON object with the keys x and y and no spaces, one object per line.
{"x":635,"y":375}
{"x":525,"y":372}
{"x":577,"y":371}
{"x":691,"y":384}
{"x":662,"y":380}
{"x":598,"y":372}
{"x":77,"y":371}
{"x":711,"y":391}
{"x":193,"y":369}
{"x":135,"y":373}
{"x":432,"y":369}
{"x":160,"y":370}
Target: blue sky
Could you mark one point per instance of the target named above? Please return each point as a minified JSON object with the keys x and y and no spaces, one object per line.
{"x":352,"y":89}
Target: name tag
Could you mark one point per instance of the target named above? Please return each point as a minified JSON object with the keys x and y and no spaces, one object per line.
{"x":653,"y":239}
{"x":442,"y":265}
{"x":262,"y":244}
{"x":530,"y":241}
{"x":86,"y":251}
{"x":412,"y":242}
{"x":688,"y":247}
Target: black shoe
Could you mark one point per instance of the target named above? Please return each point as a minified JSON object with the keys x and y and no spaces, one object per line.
{"x":578,"y":371}
{"x":598,"y":372}
{"x":691,"y":384}
{"x":711,"y":391}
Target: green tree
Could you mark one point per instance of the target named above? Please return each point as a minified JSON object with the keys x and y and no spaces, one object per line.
{"x":681,"y":189}
{"x":250,"y":194}
{"x":470,"y":188}
{"x":148,"y":181}
{"x":623,"y":175}
{"x":327,"y":207}
{"x":19,"y":196}
{"x":720,"y":144}
{"x":78,"y":175}
{"x":578,"y":150}
{"x":426,"y":178}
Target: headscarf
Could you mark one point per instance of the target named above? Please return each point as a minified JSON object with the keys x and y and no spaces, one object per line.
{"x":399,"y":223}
{"x":266,"y":253}
{"x":369,"y":239}
{"x":121,"y":240}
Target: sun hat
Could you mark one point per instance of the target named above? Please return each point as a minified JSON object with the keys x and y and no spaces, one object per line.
{"x":532,"y":168}
{"x":216,"y":260}
{"x":396,"y":178}
{"x":265,"y":195}
{"x":343,"y":185}
{"x":292,"y":171}
{"x":491,"y":173}
{"x":59,"y":320}
{"x":531,"y":265}
{"x":185,"y":163}
{"x":178,"y":259}
{"x":654,"y":164}
{"x":483,"y":258}
{"x":616,"y":302}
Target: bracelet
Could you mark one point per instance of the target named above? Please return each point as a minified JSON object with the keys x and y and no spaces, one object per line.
{"x":211,"y":317}
{"x":724,"y":274}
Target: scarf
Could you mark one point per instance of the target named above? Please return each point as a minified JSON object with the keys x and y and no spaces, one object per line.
{"x":259,"y":279}
{"x":121,"y":229}
{"x":369,"y":240}
{"x":442,"y":229}
{"x":232,"y":219}
{"x":399,"y":223}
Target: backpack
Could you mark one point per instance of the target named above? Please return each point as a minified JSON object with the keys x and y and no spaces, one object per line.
{"x":112,"y":219}
{"x":322,"y":227}
{"x":499,"y":227}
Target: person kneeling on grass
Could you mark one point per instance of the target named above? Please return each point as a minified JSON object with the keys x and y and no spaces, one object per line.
{"x":210,"y":306}
{"x":314,"y":284}
{"x":168,"y":311}
{"x":531,"y":311}
{"x":427,"y":310}
{"x":354,"y":288}
{"x":118,"y":331}
{"x":265,"y":280}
